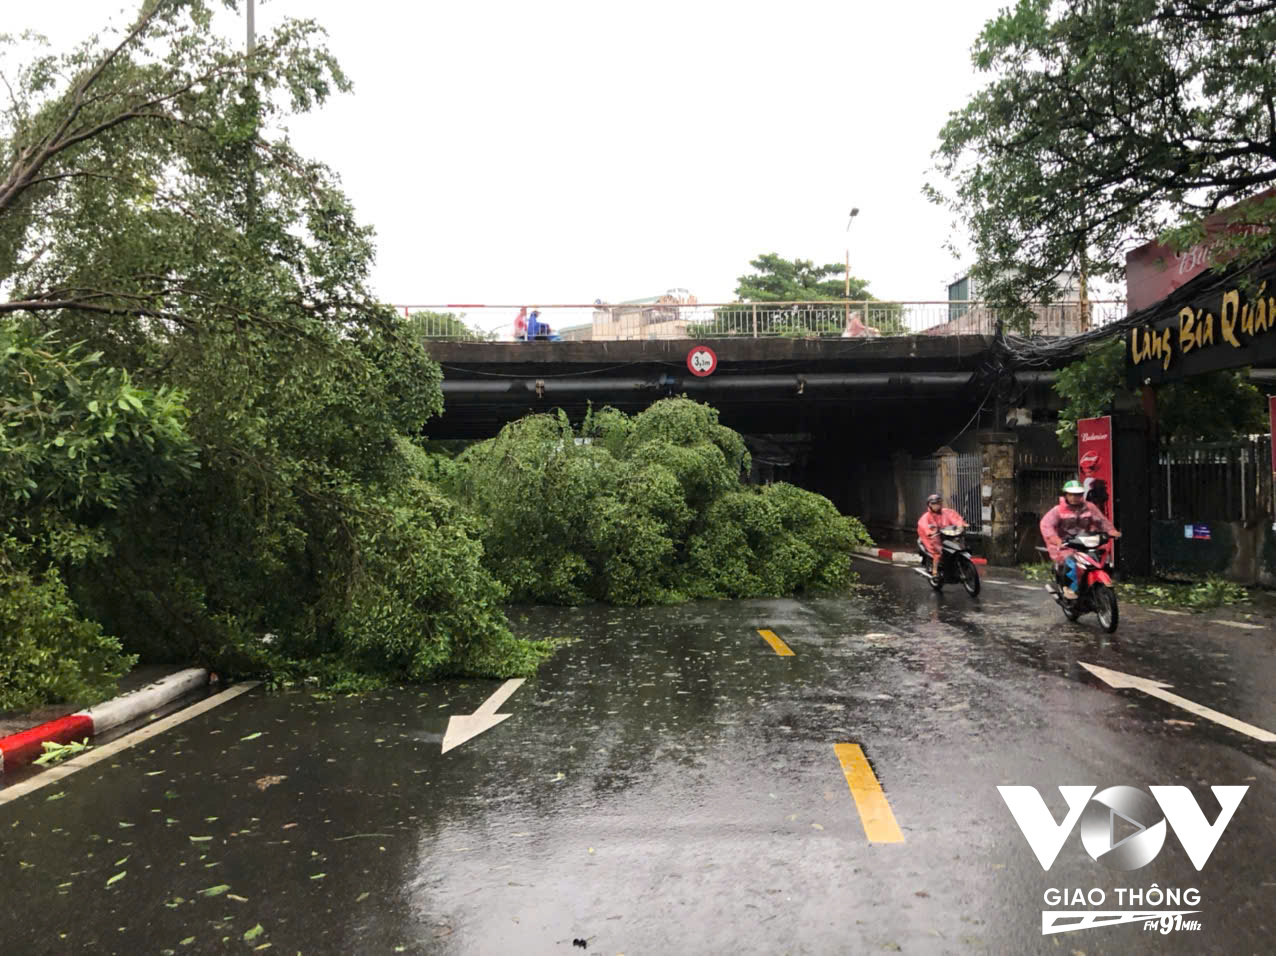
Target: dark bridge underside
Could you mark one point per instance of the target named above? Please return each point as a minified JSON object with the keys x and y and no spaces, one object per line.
{"x":881,"y":386}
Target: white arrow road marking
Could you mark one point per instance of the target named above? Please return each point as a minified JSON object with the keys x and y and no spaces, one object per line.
{"x":1157,"y":689}
{"x":460,"y":729}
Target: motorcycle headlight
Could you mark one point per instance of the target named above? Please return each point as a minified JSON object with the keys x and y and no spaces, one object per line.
{"x":1089,"y":540}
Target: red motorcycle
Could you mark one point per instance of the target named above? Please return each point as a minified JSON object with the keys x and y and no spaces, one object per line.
{"x":1094,"y":581}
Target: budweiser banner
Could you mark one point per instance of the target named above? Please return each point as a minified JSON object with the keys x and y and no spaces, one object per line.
{"x":1094,"y":462}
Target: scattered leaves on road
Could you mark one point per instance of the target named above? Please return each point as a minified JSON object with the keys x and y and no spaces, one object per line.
{"x":215,"y":890}
{"x":251,"y":736}
{"x":116,"y":878}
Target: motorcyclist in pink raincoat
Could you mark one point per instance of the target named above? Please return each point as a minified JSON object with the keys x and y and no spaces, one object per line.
{"x":1073,"y":515}
{"x":936,"y":516}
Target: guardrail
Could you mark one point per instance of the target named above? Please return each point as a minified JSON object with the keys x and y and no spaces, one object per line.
{"x":831,"y":319}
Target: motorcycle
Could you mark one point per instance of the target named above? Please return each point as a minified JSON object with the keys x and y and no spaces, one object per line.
{"x":1094,"y":582}
{"x":955,"y":565}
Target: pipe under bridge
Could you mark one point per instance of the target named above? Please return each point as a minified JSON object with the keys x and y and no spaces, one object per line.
{"x":759,"y":385}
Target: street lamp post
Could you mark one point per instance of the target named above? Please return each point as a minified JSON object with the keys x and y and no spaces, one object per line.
{"x":846,"y":294}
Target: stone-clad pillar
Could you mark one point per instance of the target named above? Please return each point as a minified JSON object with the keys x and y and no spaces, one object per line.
{"x":997,"y":487}
{"x":947,"y":476}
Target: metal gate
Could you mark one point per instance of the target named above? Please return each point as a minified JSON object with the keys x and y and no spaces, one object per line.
{"x":968,"y":498}
{"x":921,"y":479}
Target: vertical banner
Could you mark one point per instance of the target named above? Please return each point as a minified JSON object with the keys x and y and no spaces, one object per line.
{"x":1094,"y":462}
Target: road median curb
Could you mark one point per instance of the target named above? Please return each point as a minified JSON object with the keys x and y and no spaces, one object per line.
{"x":900,"y":557}
{"x":23,"y":747}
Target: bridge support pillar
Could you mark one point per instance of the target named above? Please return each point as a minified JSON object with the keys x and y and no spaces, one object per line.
{"x":997,"y":494}
{"x":947,"y":475}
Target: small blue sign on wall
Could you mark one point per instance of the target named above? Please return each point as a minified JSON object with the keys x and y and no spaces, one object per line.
{"x":1197,"y":532}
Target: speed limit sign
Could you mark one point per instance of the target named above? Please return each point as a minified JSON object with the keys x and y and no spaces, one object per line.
{"x":702,"y":361}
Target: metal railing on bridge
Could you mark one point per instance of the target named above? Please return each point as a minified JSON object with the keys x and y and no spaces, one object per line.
{"x":676,"y":320}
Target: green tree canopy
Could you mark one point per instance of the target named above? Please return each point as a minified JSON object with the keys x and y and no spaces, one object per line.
{"x":648,"y":509}
{"x":776,"y":279}
{"x":1107,"y":123}
{"x":147,"y":211}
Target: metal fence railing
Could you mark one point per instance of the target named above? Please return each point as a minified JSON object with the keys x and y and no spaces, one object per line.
{"x":678,"y":320}
{"x":1215,"y":481}
{"x":921,"y":479}
{"x":969,"y":496}
{"x":1040,"y":487}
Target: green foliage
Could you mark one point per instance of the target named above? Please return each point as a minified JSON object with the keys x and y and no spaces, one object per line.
{"x":49,"y":652}
{"x":55,"y":752}
{"x":80,"y":443}
{"x":1209,"y":407}
{"x":1038,"y":571}
{"x":798,"y":280}
{"x":1106,"y":122}
{"x":1213,"y":592}
{"x":220,"y":279}
{"x":645,"y":510}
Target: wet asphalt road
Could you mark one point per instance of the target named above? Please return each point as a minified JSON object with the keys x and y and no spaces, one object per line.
{"x":669,"y":784}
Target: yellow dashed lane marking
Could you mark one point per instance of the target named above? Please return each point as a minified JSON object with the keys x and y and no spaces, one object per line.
{"x":875,"y":811}
{"x":774,"y":640}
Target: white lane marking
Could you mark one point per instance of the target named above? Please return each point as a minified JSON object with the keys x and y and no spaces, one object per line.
{"x":141,"y":735}
{"x":1024,"y":587}
{"x":462,"y":727}
{"x":1155,"y":688}
{"x":1162,"y":610}
{"x":1241,"y":624}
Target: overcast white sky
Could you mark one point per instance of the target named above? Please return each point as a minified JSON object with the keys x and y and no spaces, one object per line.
{"x":567,"y":151}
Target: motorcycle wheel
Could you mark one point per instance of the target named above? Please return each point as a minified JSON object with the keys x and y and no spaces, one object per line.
{"x":937,"y":580}
{"x":969,"y":576}
{"x":1071,"y":609}
{"x":1105,"y":607}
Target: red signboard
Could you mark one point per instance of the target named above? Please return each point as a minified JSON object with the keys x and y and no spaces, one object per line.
{"x":702,"y":361}
{"x":1094,"y":462}
{"x":1153,"y":271}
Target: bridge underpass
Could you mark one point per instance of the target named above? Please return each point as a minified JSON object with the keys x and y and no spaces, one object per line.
{"x":820,"y":409}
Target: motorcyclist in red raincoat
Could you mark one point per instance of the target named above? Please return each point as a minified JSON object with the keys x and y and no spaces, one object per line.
{"x":1073,"y":515}
{"x":936,"y":516}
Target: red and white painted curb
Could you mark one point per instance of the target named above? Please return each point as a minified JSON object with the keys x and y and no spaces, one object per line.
{"x":21,"y":748}
{"x":901,"y":557}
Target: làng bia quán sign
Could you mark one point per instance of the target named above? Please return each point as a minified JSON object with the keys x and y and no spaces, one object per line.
{"x":1219,"y":330}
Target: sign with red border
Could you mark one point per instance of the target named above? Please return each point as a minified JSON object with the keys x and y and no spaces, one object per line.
{"x":702,"y":361}
{"x":1094,"y":462}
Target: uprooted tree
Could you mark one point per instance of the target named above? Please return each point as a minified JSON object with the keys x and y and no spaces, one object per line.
{"x":210,"y":419}
{"x":641,"y":510}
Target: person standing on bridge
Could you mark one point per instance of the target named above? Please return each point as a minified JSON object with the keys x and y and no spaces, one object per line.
{"x":936,"y":516}
{"x":520,"y":325}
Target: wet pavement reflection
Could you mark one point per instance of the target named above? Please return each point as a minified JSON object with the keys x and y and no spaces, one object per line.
{"x":668,"y":783}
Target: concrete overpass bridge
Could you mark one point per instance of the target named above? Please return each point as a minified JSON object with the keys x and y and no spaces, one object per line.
{"x":760,"y":385}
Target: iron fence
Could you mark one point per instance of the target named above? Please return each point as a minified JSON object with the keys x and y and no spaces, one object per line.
{"x":969,"y":499}
{"x":1040,"y":487}
{"x":691,"y":320}
{"x":1215,"y":481}
{"x":921,"y":479}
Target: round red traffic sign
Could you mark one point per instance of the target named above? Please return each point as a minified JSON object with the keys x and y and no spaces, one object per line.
{"x":702,"y":361}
